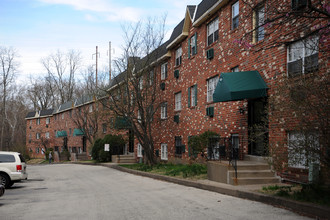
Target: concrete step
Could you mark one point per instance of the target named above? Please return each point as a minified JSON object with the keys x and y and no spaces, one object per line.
{"x":123,"y":159}
{"x":255,"y":180}
{"x":251,"y":173}
{"x":260,"y":166}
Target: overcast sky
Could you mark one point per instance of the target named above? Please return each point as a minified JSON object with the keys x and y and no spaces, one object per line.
{"x":37,"y":28}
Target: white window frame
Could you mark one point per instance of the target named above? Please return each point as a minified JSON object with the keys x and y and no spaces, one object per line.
{"x":164,"y":152}
{"x":192,"y":95}
{"x":47,"y":135}
{"x":38,"y":136}
{"x":193,"y":45}
{"x":259,"y":21}
{"x":178,"y":56}
{"x":213,"y":30}
{"x":139,"y":150}
{"x":47,"y":121}
{"x":234,"y":14}
{"x":38,"y":121}
{"x":300,"y":159}
{"x":300,"y":50}
{"x":163,"y":71}
{"x":211,"y":85}
{"x":163,"y":111}
{"x":178,"y":103}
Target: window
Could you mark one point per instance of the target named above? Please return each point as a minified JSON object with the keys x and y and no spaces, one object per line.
{"x":55,"y":117}
{"x":211,"y":85}
{"x":192,"y":96}
{"x":47,"y":121}
{"x":179,"y":148}
{"x":90,"y":108}
{"x":192,"y":45}
{"x":104,"y":128}
{"x":7,"y":158}
{"x":235,"y":15}
{"x":47,"y":135}
{"x":141,"y":83}
{"x":91,"y":130}
{"x":178,"y":101}
{"x":303,"y":56}
{"x":163,"y":110}
{"x":70,"y":131}
{"x":151,"y":77}
{"x":212,"y":31}
{"x":139,"y":150}
{"x":259,"y":23}
{"x":62,"y":116}
{"x":139,"y":116}
{"x":163,"y":149}
{"x":38,"y":121}
{"x":235,"y":69}
{"x":163,"y":71}
{"x":38,"y":135}
{"x":37,"y":150}
{"x":30,"y":122}
{"x":303,"y":149}
{"x":178,"y":56}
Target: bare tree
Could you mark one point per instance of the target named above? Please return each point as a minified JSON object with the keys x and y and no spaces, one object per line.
{"x":9,"y":67}
{"x":61,"y":69}
{"x":134,"y":93}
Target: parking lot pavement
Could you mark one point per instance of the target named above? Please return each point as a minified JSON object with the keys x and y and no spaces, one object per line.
{"x":69,"y":191}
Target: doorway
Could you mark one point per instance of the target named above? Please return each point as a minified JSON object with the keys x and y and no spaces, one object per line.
{"x":258,"y":127}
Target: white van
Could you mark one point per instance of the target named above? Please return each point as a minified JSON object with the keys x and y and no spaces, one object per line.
{"x":12,"y":168}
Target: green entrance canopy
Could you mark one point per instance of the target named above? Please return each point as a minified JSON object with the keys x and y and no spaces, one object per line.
{"x":235,"y":86}
{"x":78,"y":132}
{"x":61,"y":134}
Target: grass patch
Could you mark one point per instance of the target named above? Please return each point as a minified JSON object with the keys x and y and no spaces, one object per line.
{"x":193,"y":171}
{"x":306,"y":193}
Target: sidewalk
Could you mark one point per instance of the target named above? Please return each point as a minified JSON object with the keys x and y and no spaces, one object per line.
{"x":249,"y":192}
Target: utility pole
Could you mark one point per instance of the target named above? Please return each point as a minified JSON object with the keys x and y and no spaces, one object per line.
{"x":97,"y":54}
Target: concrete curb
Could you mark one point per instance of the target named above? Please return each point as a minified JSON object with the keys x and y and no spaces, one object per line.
{"x":302,"y":208}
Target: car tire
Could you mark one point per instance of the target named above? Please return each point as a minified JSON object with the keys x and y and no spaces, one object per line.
{"x":5,"y":181}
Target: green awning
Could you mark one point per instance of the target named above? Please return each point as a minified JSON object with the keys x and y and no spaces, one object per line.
{"x":78,"y":132}
{"x":61,"y":134}
{"x":235,"y":86}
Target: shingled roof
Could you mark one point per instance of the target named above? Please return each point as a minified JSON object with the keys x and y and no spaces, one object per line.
{"x":191,"y":9}
{"x":177,"y":31}
{"x":203,"y":7}
{"x":46,"y":112}
{"x":31,"y":114}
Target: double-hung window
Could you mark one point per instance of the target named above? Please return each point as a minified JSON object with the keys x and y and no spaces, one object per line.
{"x":303,"y":149}
{"x":178,"y":56}
{"x":259,"y":23}
{"x":213,"y":31}
{"x":164,"y":153}
{"x":192,"y":96}
{"x":192,"y":47}
{"x":163,"y":71}
{"x":139,"y":150}
{"x":211,"y":85}
{"x":104,"y":128}
{"x":141,"y":83}
{"x":178,"y":101}
{"x":163,"y":110}
{"x":47,"y":135}
{"x":47,"y":121}
{"x":38,"y":135}
{"x":151,"y":77}
{"x":303,"y":56}
{"x":38,"y":121}
{"x":90,"y":108}
{"x":178,"y":145}
{"x":235,"y":15}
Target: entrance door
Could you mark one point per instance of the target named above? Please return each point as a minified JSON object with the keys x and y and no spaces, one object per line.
{"x":258,"y":127}
{"x":84,"y":143}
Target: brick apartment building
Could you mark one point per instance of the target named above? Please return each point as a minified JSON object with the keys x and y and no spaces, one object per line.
{"x":219,"y":71}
